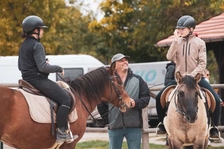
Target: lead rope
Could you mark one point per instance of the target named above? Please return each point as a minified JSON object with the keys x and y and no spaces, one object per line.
{"x":82,"y":100}
{"x":115,"y":119}
{"x":76,"y":94}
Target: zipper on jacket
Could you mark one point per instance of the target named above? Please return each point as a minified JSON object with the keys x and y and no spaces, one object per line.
{"x":123,"y":120}
{"x":183,"y":49}
{"x":186,"y":57}
{"x":189,"y":49}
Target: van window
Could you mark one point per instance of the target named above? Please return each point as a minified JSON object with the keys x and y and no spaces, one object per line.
{"x":70,"y":74}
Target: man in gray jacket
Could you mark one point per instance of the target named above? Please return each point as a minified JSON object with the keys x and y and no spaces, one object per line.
{"x":128,"y":124}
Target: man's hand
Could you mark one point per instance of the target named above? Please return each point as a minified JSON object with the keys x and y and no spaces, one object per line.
{"x":132,"y":103}
{"x":62,"y":73}
{"x":222,"y":103}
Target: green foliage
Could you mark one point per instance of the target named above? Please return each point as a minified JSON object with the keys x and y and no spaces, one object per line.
{"x":133,"y":27}
{"x":212,"y":67}
{"x":129,"y":26}
{"x":67,"y":32}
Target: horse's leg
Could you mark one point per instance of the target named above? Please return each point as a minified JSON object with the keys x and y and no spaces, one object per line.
{"x":205,"y":143}
{"x":198,"y":146}
{"x":175,"y":144}
{"x":188,"y":147}
{"x":202,"y":145}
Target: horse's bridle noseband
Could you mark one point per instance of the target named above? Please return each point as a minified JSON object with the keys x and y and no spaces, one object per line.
{"x":176,"y":97}
{"x":121,"y":103}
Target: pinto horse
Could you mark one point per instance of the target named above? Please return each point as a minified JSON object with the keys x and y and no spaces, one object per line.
{"x":186,"y":122}
{"x":18,"y":130}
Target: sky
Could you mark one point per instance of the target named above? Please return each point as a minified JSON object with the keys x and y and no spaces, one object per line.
{"x":88,"y":6}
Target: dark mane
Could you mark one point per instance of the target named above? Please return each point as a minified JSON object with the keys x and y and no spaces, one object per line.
{"x":92,"y":84}
{"x":190,"y":82}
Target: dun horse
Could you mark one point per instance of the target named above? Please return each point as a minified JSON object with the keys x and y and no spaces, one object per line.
{"x":186,"y":120}
{"x":18,"y":130}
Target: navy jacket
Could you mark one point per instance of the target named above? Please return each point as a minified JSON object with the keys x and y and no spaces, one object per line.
{"x":138,"y":90}
{"x":32,"y":60}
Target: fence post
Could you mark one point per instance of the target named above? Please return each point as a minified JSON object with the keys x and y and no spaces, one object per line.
{"x":145,"y":135}
{"x":1,"y":146}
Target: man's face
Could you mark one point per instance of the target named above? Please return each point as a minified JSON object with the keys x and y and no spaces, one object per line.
{"x":122,"y":64}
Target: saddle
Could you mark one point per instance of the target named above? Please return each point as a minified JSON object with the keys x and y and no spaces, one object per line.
{"x":206,"y":96}
{"x":164,"y":99}
{"x":27,"y":87}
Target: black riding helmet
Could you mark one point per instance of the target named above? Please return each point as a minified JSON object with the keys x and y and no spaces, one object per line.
{"x":32,"y":22}
{"x":186,"y":21}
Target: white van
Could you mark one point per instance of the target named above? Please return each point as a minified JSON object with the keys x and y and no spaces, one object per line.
{"x":74,"y":66}
{"x":152,"y":72}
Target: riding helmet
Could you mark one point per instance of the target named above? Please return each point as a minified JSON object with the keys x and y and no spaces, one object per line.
{"x":32,"y":22}
{"x":186,"y":21}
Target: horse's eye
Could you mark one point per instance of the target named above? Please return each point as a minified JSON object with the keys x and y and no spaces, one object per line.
{"x":181,"y":94}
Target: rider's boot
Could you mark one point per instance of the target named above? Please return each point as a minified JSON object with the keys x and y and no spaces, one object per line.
{"x":63,"y":135}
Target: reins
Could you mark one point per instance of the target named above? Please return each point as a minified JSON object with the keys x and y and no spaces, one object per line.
{"x":178,"y":109}
{"x":117,"y":92}
{"x":76,"y":94}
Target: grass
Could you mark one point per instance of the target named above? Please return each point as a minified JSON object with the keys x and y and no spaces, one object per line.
{"x":105,"y":145}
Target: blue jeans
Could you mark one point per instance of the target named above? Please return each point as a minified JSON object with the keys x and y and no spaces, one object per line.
{"x":132,"y":135}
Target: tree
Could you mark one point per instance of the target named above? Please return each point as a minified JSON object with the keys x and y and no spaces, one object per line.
{"x":133,"y":27}
{"x":67,"y":30}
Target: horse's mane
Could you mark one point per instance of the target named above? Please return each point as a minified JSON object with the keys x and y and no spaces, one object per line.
{"x":190,"y":82}
{"x":92,"y":84}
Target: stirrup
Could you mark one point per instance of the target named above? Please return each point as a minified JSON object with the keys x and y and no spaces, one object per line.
{"x":61,"y":136}
{"x":212,"y":133}
{"x":157,"y":129}
{"x":72,"y":137}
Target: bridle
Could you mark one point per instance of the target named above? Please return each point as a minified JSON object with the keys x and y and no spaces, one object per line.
{"x":121,"y":103}
{"x":178,"y":108}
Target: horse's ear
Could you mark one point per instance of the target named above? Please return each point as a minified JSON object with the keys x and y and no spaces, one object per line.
{"x":198,"y":77}
{"x":178,"y":77}
{"x":112,"y":68}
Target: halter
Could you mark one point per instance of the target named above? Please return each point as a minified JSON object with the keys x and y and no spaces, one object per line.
{"x":121,"y":103}
{"x":179,"y":109}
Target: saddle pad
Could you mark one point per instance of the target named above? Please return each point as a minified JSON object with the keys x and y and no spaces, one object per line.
{"x":208,"y":97}
{"x":167,"y":94}
{"x":39,"y":109}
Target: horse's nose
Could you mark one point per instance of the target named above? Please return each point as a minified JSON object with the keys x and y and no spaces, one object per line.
{"x":191,"y":119}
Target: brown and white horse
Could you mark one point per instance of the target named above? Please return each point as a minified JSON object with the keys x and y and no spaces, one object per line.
{"x":18,"y":130}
